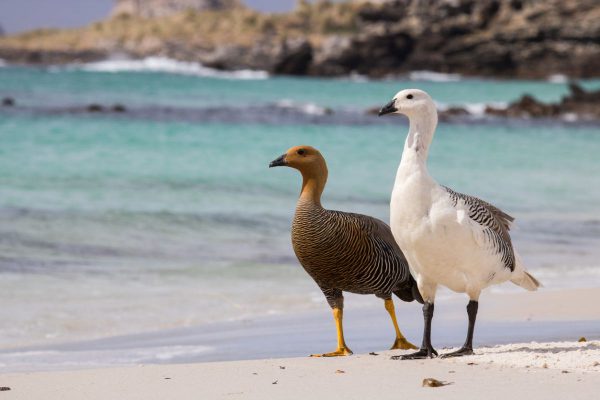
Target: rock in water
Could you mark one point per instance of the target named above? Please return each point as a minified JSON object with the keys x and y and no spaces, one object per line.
{"x":94,"y":108}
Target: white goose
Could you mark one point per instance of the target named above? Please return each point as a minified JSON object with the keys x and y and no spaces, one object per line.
{"x":448,"y":238}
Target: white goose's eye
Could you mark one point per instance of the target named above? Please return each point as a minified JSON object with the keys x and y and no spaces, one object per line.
{"x":409,"y":96}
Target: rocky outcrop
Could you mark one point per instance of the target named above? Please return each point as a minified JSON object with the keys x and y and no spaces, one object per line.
{"x":501,"y":38}
{"x":579,"y":104}
{"x":160,"y":8}
{"x":524,"y":38}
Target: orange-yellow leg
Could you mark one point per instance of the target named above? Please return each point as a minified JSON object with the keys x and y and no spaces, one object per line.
{"x":342,"y":349}
{"x":400,"y":342}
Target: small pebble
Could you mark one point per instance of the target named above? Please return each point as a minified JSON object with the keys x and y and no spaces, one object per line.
{"x":373,"y":354}
{"x":281,"y":367}
{"x":431,"y":382}
{"x":451,"y":372}
{"x":564,"y":371}
{"x":471,"y":363}
{"x":544,"y":365}
{"x":275,"y":382}
{"x":167,"y":378}
{"x":582,"y":339}
{"x":340,"y":371}
{"x":595,"y":364}
{"x":4,"y":388}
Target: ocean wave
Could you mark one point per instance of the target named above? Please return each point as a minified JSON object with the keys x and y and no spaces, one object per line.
{"x":432,"y":76}
{"x":304,"y":108}
{"x":478,"y":109}
{"x":558,"y":78}
{"x":168,"y":65}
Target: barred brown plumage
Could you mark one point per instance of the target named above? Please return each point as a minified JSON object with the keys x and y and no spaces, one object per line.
{"x":344,"y":251}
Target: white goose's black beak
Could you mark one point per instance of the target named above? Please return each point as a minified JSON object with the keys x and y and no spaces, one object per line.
{"x":388,"y":108}
{"x":278,"y":162}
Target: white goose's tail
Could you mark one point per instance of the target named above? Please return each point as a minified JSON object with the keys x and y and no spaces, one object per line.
{"x":522,"y":278}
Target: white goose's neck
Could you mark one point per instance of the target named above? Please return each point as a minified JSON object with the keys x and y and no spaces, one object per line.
{"x":420,"y":134}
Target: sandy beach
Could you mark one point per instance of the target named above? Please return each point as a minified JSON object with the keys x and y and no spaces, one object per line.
{"x":553,"y":370}
{"x":527,"y":345}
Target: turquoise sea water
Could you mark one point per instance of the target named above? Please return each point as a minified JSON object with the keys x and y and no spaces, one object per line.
{"x":167,"y":215}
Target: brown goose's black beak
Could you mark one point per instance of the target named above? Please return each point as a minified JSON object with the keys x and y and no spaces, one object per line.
{"x":388,"y":108}
{"x":278,"y":162}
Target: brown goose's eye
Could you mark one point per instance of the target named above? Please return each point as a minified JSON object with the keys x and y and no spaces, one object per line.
{"x":301,"y":152}
{"x":409,"y":96}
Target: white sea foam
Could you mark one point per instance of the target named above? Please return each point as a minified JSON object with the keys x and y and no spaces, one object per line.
{"x":558,"y":78}
{"x":2,"y":63}
{"x":306,"y":108}
{"x":478,"y":109}
{"x":168,"y":65}
{"x":433,"y":76}
{"x":570,"y":117}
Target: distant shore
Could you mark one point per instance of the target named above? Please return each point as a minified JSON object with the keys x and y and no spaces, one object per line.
{"x":511,"y":39}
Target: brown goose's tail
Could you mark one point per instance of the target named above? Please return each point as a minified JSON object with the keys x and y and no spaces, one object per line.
{"x":410,"y":292}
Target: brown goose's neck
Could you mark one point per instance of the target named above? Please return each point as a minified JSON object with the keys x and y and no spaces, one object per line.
{"x":313,"y":185}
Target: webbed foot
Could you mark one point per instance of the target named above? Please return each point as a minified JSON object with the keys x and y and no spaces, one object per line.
{"x":402,"y":344}
{"x":463,"y":351}
{"x":343,"y":351}
{"x":419,"y":355}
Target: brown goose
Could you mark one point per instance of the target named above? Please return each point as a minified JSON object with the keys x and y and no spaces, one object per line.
{"x":344,"y":251}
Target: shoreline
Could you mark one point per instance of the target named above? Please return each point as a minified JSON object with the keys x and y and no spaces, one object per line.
{"x":508,"y":317}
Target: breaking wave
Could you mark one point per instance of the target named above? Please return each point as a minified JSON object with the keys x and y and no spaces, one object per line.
{"x":432,"y":76}
{"x":167,"y":65}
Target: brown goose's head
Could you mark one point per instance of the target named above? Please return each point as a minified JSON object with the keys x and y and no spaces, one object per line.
{"x":311,"y":165}
{"x":302,"y":158}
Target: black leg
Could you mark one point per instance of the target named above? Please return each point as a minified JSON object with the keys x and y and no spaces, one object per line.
{"x":426,"y":351}
{"x":467,"y":348}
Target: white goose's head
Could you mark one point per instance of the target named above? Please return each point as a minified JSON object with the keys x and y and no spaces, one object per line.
{"x":409,"y":102}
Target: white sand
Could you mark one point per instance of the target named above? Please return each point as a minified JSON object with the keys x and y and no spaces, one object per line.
{"x":564,"y":356}
{"x":355,"y":377}
{"x":564,"y":369}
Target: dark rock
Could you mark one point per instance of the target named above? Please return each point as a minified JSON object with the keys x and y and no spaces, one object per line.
{"x":294,"y":59}
{"x":525,"y":107}
{"x":8,"y":102}
{"x":453,"y":113}
{"x":580,"y":104}
{"x":94,"y":108}
{"x":373,"y":55}
{"x":120,"y":108}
